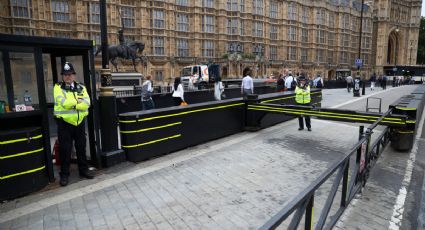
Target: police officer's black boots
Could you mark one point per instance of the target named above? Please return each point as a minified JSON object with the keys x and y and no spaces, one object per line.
{"x":89,"y":174}
{"x":64,"y":181}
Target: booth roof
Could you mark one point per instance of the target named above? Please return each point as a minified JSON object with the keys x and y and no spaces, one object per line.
{"x":52,"y":45}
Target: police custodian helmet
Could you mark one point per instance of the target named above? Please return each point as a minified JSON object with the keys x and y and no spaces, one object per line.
{"x":67,"y":68}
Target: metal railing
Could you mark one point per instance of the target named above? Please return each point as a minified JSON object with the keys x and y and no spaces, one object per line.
{"x":302,"y":205}
{"x":137,"y":91}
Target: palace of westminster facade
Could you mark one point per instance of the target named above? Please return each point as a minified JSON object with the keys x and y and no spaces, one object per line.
{"x":312,"y":36}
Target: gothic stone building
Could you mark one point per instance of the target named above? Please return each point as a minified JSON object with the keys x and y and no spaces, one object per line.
{"x":315,"y":37}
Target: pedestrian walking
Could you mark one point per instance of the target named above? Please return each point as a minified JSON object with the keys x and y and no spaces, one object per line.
{"x":384,"y":82}
{"x":349,"y":81}
{"x":318,"y":82}
{"x":372,"y":81}
{"x":147,"y":90}
{"x":280,"y":84}
{"x":71,"y":108}
{"x":290,"y":82}
{"x":302,"y":97}
{"x":178,"y":92}
{"x":247,"y":86}
{"x":218,"y":88}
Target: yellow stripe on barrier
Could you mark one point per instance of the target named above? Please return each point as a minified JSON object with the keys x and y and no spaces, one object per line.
{"x":21,"y":154}
{"x":330,"y":116}
{"x":19,"y":140}
{"x":151,"y":142}
{"x":405,"y":132}
{"x":130,"y":121}
{"x":188,"y":112}
{"x":310,"y":114}
{"x":320,"y":115}
{"x":181,"y":113}
{"x":277,"y":99}
{"x":401,"y":108}
{"x":22,"y":173}
{"x":331,"y":113}
{"x":312,"y":218}
{"x":411,"y":121}
{"x":153,"y":128}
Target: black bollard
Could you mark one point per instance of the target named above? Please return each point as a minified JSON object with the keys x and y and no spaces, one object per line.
{"x":356,"y":88}
{"x":251,"y":117}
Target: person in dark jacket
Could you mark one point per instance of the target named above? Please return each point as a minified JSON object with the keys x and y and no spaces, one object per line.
{"x":280,"y":84}
{"x":372,"y":81}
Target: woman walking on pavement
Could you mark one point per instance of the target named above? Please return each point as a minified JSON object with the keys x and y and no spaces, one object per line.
{"x":178,"y":92}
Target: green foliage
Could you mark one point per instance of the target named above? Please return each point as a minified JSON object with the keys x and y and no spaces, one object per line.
{"x":225,"y":56}
{"x":421,"y":43}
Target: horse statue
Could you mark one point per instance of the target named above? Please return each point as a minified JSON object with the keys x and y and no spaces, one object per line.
{"x":129,"y":51}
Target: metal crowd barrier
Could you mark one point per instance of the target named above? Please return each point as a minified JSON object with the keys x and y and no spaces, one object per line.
{"x":303,"y":204}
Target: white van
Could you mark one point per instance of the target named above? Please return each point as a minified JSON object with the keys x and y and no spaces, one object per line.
{"x":196,"y":76}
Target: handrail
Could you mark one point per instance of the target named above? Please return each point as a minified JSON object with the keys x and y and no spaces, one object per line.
{"x":300,"y":201}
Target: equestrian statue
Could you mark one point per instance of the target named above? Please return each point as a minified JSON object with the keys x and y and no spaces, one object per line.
{"x":123,"y":50}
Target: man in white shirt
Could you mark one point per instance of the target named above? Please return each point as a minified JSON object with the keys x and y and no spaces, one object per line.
{"x":147,"y":91}
{"x":247,"y":86}
{"x":288,"y":82}
{"x":349,"y":81}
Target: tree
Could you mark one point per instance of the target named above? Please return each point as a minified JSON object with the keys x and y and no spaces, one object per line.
{"x":421,"y":43}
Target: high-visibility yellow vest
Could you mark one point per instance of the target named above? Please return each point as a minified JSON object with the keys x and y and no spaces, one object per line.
{"x":302,"y":96}
{"x":71,"y":105}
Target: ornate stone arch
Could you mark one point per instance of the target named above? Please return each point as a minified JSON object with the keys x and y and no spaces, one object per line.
{"x":393,"y":47}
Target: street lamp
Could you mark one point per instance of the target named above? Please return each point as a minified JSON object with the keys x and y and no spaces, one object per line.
{"x":235,"y":50}
{"x":411,"y":48}
{"x":259,"y":52}
{"x":360,"y":40}
{"x":107,"y":100}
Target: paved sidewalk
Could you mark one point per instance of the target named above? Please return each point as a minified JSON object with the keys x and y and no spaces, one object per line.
{"x":237,"y":182}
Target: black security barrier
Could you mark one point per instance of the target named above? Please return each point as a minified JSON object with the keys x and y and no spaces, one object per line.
{"x":263,"y":118}
{"x":402,"y":138}
{"x":132,"y":103}
{"x":146,"y":134}
{"x":22,"y":162}
{"x":153,"y":133}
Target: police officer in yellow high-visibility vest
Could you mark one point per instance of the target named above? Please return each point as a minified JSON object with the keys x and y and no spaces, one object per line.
{"x":71,"y":108}
{"x":302,"y":97}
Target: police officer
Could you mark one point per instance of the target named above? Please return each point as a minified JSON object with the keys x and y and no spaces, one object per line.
{"x":302,"y":97}
{"x":71,"y":108}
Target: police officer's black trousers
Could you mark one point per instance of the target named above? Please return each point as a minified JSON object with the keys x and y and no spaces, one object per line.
{"x":68,"y":133}
{"x":307,"y":119}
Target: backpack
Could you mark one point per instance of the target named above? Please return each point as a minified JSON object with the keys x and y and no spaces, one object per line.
{"x":280,"y":81}
{"x":146,"y":95}
{"x":293,"y":84}
{"x":319,"y":84}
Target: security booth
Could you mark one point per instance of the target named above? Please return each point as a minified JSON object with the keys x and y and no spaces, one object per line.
{"x":29,"y":68}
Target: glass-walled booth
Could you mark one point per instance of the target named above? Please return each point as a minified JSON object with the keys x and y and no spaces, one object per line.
{"x":29,"y":68}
